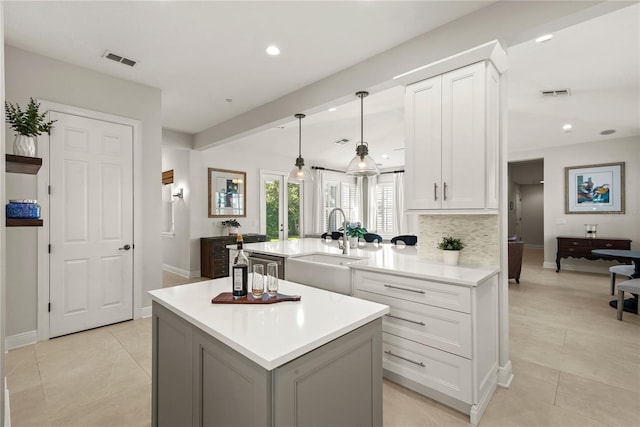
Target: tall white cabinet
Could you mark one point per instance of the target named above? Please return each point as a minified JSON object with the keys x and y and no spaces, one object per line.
{"x":452,"y":140}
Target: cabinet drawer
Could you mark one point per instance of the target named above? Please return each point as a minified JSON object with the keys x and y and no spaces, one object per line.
{"x":578,"y":252}
{"x":444,"y":329}
{"x":611,"y":244}
{"x":422,"y":291}
{"x":574,"y":243}
{"x":436,"y":369}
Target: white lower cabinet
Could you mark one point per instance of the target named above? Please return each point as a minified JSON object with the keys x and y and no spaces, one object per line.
{"x":439,"y":339}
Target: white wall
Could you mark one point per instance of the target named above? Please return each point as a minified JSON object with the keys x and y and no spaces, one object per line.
{"x":175,"y":248}
{"x":557,"y":223}
{"x":3,"y":298}
{"x":235,"y":156}
{"x":31,"y":75}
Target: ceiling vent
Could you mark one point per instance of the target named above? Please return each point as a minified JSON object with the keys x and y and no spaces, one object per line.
{"x":342,"y":141}
{"x":557,"y":92}
{"x":117,"y":58}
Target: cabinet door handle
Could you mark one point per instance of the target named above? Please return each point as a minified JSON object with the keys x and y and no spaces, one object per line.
{"x":406,"y":320}
{"x":404,"y":289}
{"x":404,"y":358}
{"x":445,"y":191}
{"x":435,"y":192}
{"x":608,"y":245}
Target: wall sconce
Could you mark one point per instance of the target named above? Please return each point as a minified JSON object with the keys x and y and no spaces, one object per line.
{"x":179,"y":194}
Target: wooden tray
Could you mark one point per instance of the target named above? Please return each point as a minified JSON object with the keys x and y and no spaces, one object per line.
{"x":227,"y":298}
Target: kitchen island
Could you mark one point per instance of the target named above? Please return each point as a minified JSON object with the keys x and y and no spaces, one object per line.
{"x":312,"y":362}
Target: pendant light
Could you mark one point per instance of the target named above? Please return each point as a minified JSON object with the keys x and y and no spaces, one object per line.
{"x":300,"y":172}
{"x":362,"y":164}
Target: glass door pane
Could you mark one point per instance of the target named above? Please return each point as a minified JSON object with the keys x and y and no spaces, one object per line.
{"x":293,"y":202}
{"x":273,"y":201}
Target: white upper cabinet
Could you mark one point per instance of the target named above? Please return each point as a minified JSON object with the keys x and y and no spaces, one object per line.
{"x":452,"y":140}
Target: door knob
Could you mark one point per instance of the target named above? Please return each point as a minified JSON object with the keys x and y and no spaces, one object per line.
{"x":125,"y":248}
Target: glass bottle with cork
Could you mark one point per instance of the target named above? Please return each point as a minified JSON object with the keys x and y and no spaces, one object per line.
{"x":240,"y":271}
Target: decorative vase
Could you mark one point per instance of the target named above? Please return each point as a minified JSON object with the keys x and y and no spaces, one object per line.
{"x":451,"y":257}
{"x":24,"y":146}
{"x":353,"y":242}
{"x":233,"y":231}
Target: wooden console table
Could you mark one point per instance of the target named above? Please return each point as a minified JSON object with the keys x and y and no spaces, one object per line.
{"x":214,"y":255}
{"x":581,"y":247}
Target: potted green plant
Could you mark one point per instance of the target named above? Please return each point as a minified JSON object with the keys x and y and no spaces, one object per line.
{"x":28,"y":124}
{"x":355,"y":232}
{"x":451,"y":248}
{"x":232,"y":224}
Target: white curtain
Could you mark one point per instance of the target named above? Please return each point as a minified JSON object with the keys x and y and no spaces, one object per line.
{"x":398,"y":204}
{"x":318,"y":202}
{"x":359,"y":201}
{"x":372,"y":205}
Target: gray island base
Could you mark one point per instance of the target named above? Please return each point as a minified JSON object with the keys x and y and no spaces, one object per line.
{"x":313,"y":362}
{"x":199,"y":381}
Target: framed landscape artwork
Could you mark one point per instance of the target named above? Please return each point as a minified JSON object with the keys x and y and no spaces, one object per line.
{"x":594,"y":189}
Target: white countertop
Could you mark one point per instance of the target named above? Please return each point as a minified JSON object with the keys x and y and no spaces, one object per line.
{"x":270,"y":334}
{"x":385,"y":258}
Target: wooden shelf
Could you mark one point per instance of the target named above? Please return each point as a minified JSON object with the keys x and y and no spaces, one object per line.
{"x":24,"y":222}
{"x":22,"y":164}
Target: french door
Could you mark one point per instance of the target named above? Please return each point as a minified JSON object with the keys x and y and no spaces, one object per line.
{"x":280,"y":206}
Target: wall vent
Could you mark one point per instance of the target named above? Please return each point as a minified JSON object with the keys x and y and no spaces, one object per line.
{"x":557,"y":92}
{"x":118,"y":58}
{"x":342,"y":141}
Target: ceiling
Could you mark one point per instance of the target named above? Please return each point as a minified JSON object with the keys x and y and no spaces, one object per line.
{"x":598,"y":60}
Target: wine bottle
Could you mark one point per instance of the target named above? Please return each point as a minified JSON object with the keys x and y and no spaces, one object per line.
{"x":240,"y":271}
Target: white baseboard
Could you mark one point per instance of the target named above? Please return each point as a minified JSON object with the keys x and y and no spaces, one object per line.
{"x":145,"y":311}
{"x":176,"y":270}
{"x":194,"y":273}
{"x":582,"y":268}
{"x":7,"y":406}
{"x":505,"y":375}
{"x":20,"y":340}
{"x":533,"y":245}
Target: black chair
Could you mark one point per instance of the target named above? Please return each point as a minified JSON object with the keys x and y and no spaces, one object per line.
{"x":372,"y":237}
{"x":335,"y":235}
{"x":407,"y":239}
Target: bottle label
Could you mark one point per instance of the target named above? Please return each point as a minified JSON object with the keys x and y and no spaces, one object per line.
{"x":237,"y":279}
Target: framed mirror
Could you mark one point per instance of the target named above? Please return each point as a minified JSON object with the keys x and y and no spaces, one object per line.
{"x":227,"y":190}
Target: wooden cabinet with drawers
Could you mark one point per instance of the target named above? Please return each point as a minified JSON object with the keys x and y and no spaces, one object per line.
{"x":214,"y":255}
{"x":581,"y":247}
{"x":439,"y":339}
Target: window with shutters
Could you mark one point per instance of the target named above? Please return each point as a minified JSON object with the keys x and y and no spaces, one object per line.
{"x":330,"y":201}
{"x":349,"y":203}
{"x":384,"y":219}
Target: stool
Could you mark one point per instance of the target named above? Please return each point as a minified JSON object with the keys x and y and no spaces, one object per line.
{"x":623,"y":269}
{"x":632,"y":286}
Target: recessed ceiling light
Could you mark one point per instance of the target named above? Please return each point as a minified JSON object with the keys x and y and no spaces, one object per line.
{"x":332,"y":109}
{"x":567,"y":127}
{"x":544,"y":38}
{"x":385,"y":156}
{"x":273,"y":50}
{"x":608,"y":132}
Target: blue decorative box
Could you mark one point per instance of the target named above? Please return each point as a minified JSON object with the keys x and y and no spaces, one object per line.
{"x":23,"y":209}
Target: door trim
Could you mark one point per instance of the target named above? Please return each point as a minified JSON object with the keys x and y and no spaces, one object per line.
{"x":43,"y":232}
{"x":261,"y":201}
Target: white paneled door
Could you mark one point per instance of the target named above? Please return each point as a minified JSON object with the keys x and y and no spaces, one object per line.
{"x":91,"y":224}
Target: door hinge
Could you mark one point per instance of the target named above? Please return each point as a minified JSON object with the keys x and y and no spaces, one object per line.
{"x":48,"y":189}
{"x":49,"y":247}
{"x":49,"y":308}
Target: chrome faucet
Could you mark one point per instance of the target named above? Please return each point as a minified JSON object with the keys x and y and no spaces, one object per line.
{"x":345,"y":242}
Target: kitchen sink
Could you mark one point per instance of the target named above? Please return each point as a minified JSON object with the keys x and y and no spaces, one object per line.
{"x":324,"y":271}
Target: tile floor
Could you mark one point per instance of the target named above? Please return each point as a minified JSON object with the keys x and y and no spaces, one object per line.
{"x":574,"y":365}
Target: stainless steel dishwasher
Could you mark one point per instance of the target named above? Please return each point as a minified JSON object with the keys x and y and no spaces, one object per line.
{"x":263,"y":259}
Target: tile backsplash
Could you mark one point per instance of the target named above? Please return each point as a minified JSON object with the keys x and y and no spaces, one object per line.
{"x":479,"y":233}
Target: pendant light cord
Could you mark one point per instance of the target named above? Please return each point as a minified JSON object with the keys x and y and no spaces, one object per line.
{"x":299,"y":136}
